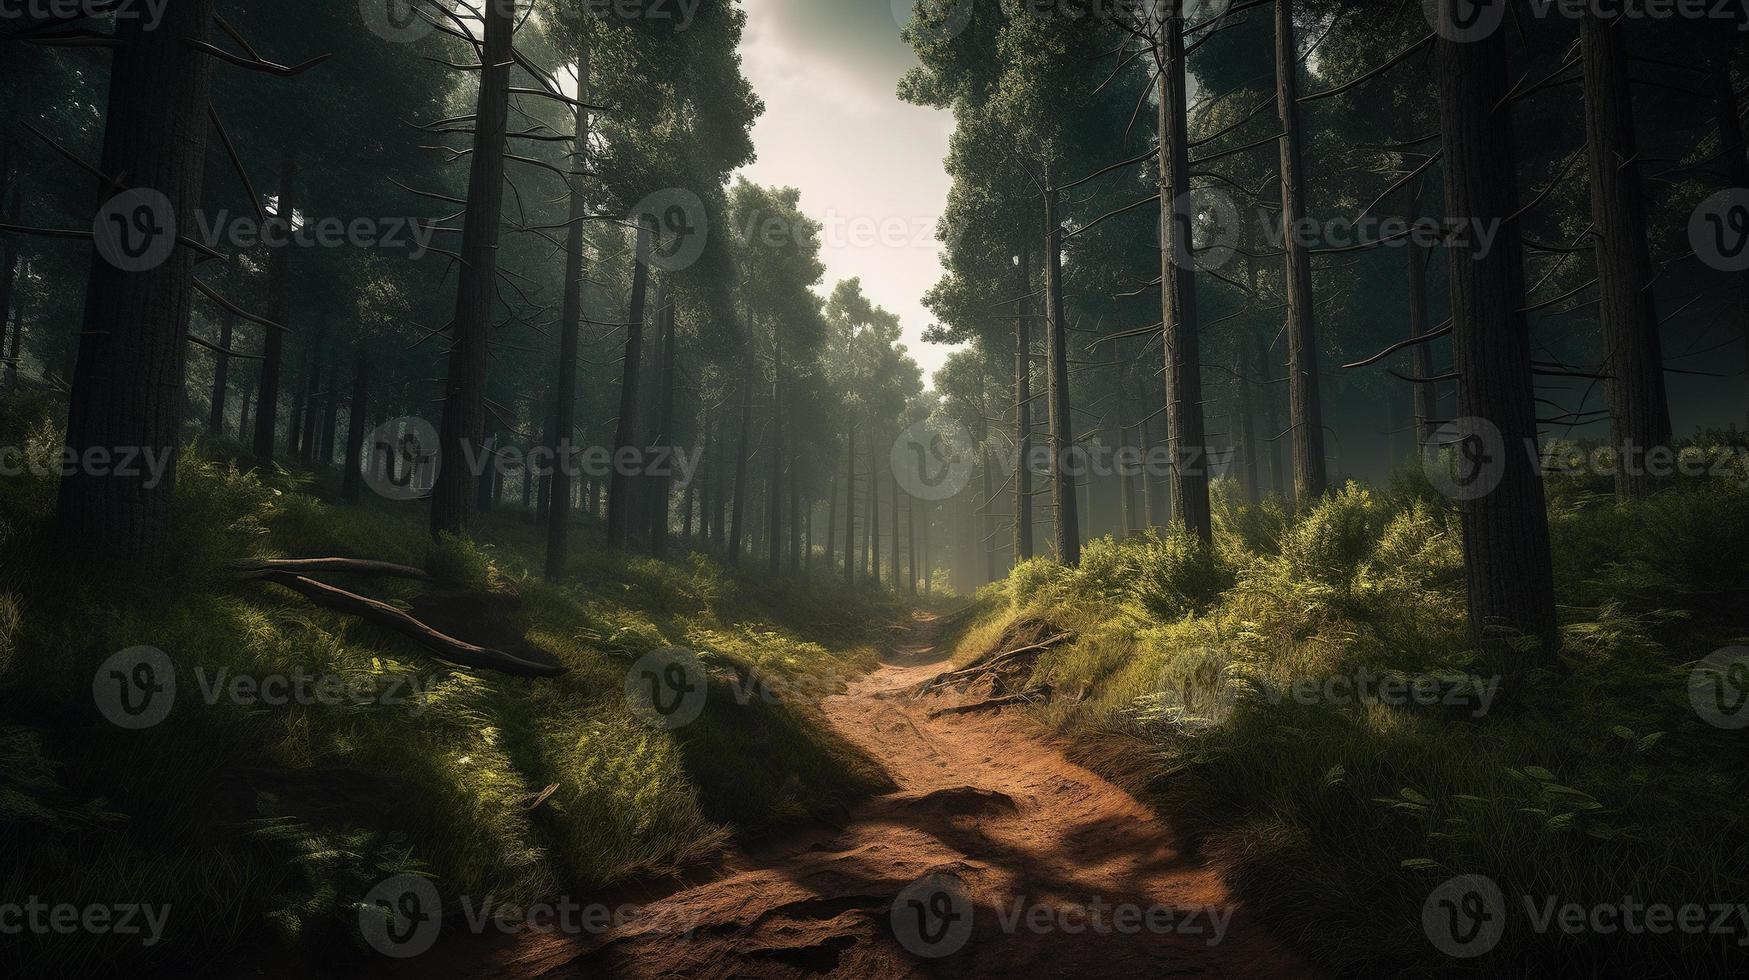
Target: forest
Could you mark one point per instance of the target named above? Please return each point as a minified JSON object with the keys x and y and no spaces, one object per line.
{"x":874,"y":488}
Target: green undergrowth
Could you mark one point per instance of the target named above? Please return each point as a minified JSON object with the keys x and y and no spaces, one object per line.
{"x":262,"y":826}
{"x":1200,"y":677}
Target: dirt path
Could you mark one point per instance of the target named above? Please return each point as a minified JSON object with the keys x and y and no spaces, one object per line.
{"x":1002,"y":857}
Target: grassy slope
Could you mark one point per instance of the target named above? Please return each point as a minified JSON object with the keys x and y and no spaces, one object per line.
{"x":262,"y":825}
{"x":1590,"y":781}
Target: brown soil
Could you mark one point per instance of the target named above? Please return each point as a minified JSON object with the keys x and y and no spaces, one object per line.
{"x":982,"y":797}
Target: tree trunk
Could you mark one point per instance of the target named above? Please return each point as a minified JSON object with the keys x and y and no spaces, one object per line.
{"x":1420,"y":358}
{"x":1062,"y":424}
{"x":874,"y":519}
{"x":543,"y":482}
{"x":774,"y":487}
{"x":278,"y":310}
{"x":744,"y":448}
{"x":11,"y":331}
{"x":127,"y":384}
{"x":1639,"y":407}
{"x":911,"y":544}
{"x":1023,"y":414}
{"x":1126,"y":476}
{"x":221,"y":361}
{"x":557,"y":484}
{"x":928,"y":567}
{"x":244,"y":400}
{"x":795,"y":512}
{"x":1735,"y":161}
{"x":1265,"y":368}
{"x":662,"y":484}
{"x":893,"y":485}
{"x":356,"y":420}
{"x":620,"y":483}
{"x":850,"y":554}
{"x":1305,"y":404}
{"x":1247,"y":431}
{"x":1506,"y":534}
{"x":464,"y":401}
{"x":1185,"y":439}
{"x":832,"y":524}
{"x":330,"y":412}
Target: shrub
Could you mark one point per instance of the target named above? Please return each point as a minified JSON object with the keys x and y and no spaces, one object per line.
{"x":1177,"y":575}
{"x":1033,"y":579}
{"x":1243,"y":529}
{"x":1419,"y":549}
{"x":1329,"y":543}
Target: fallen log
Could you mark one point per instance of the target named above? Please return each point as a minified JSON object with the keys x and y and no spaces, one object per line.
{"x":989,"y":663}
{"x":444,"y":647}
{"x":991,"y":704}
{"x":258,"y":567}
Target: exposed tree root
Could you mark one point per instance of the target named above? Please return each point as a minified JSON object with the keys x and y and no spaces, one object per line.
{"x":441,"y":645}
{"x":991,"y":663}
{"x":259,"y":567}
{"x":1043,"y":691}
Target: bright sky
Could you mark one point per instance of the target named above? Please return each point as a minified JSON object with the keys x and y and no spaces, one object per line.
{"x":869,"y":166}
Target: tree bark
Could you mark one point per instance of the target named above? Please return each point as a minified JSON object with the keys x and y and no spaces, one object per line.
{"x":1247,"y":430}
{"x":1023,"y":413}
{"x":1420,"y":358}
{"x":1306,"y":412}
{"x":744,"y":446}
{"x":128,"y":380}
{"x":330,"y":412}
{"x":1185,"y":439}
{"x":1639,"y":406}
{"x":850,"y":559}
{"x":774,"y":484}
{"x":221,"y":361}
{"x":1265,"y":368}
{"x":557,"y":485}
{"x":1062,"y":439}
{"x":464,"y":401}
{"x":1735,"y":161}
{"x":278,"y":311}
{"x":11,"y":331}
{"x":620,"y":483}
{"x":1506,"y":535}
{"x":874,"y":518}
{"x":893,"y":485}
{"x":662,"y":484}
{"x":357,"y":418}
